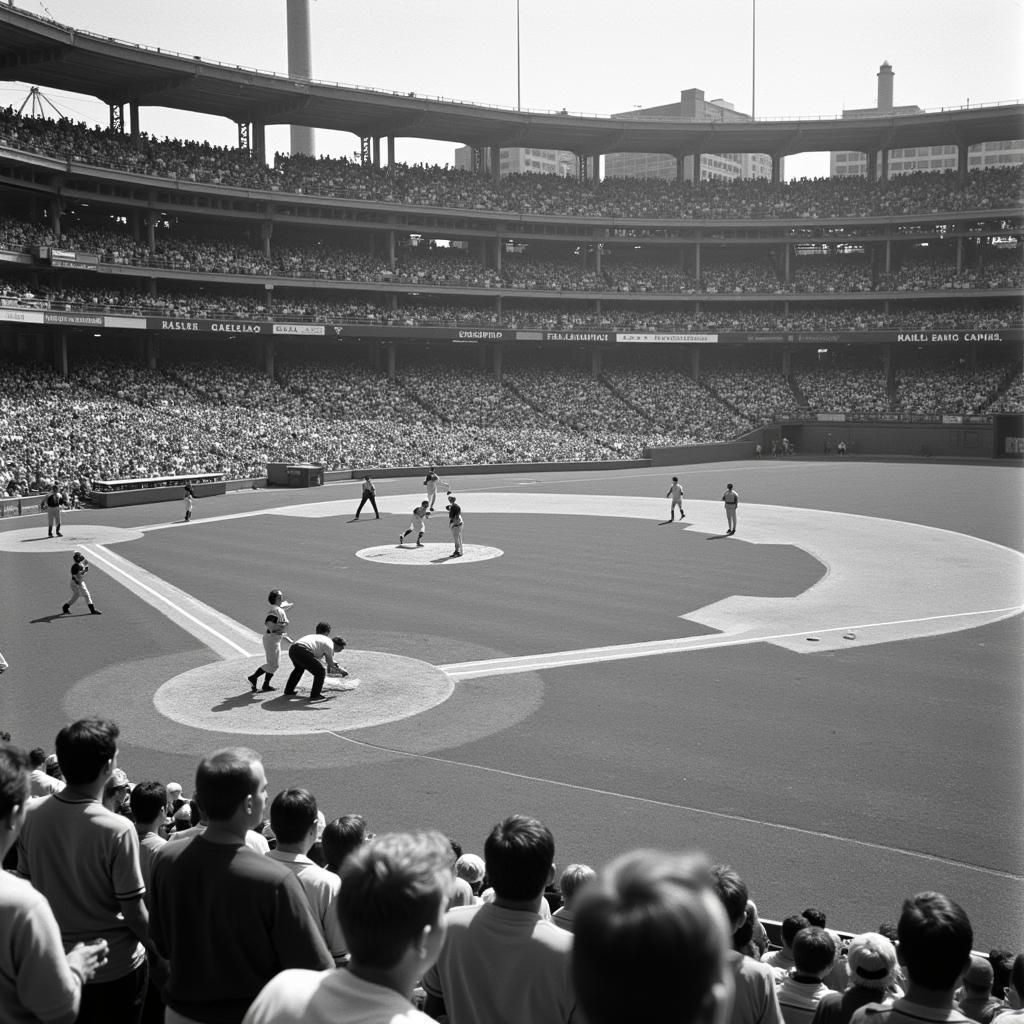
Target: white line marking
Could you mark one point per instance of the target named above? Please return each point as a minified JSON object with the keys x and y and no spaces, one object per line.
{"x":620,"y":652}
{"x":742,"y":819}
{"x":160,"y":600}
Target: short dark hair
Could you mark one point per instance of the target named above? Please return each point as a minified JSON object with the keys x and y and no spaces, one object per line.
{"x":341,"y":837}
{"x":324,"y":628}
{"x":292,"y":814}
{"x":224,"y":779}
{"x":147,"y":800}
{"x":732,"y":891}
{"x":935,"y":939}
{"x":815,"y":916}
{"x":814,"y":950}
{"x":519,"y":854}
{"x":84,"y":748}
{"x":36,"y":757}
{"x":650,"y":940}
{"x":391,"y":889}
{"x":13,"y":778}
{"x":793,"y":924}
{"x":1017,"y":974}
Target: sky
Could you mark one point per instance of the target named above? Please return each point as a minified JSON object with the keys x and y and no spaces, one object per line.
{"x":813,"y":57}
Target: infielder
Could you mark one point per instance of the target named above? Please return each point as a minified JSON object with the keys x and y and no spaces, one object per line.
{"x":731,"y":499}
{"x":455,"y":522}
{"x":79,"y":567}
{"x":675,"y":492}
{"x":420,"y":515}
{"x":432,"y":482}
{"x":275,"y":630}
{"x":52,"y":505}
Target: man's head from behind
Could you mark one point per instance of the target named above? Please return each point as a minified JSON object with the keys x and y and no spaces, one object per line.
{"x":814,"y":952}
{"x":394,"y":892}
{"x":793,"y":924}
{"x":520,"y":857}
{"x":732,"y":891}
{"x":231,"y":783}
{"x":13,"y":783}
{"x":650,"y":942}
{"x":935,"y":938}
{"x":341,"y":837}
{"x":85,"y":748}
{"x":293,"y":817}
{"x":148,"y":802}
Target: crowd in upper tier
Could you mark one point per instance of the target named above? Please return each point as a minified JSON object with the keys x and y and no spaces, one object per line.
{"x":114,"y":420}
{"x":434,"y":186}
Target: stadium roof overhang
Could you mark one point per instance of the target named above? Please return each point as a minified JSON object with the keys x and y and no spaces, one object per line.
{"x":44,"y":53}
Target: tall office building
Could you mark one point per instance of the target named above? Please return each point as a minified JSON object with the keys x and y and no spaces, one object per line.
{"x":691,"y":107}
{"x":522,"y":161}
{"x":919,"y":158}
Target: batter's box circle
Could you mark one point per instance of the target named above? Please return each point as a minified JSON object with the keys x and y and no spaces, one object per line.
{"x":428,"y":554}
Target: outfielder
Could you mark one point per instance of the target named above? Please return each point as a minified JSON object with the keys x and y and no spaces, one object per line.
{"x":275,"y":630}
{"x":731,"y":500}
{"x":675,"y":492}
{"x":188,"y":496}
{"x":79,"y":567}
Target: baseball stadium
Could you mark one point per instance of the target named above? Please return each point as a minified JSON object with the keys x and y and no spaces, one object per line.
{"x":822,"y":691}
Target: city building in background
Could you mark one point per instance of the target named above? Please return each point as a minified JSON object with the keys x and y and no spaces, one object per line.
{"x":921,"y":158}
{"x":522,"y":161}
{"x":691,"y":107}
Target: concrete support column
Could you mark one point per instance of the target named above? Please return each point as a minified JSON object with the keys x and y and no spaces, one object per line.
{"x":787,"y":363}
{"x":885,"y":165}
{"x":481,"y":358}
{"x":959,"y":254}
{"x":391,"y":362}
{"x":135,"y":222}
{"x":776,"y":168}
{"x":696,"y":158}
{"x":695,"y":362}
{"x":258,"y":141}
{"x":962,"y":162}
{"x":495,"y":164}
{"x":888,"y":255}
{"x":133,"y":116}
{"x":376,"y":151}
{"x":269,"y":351}
{"x":151,"y":231}
{"x":391,"y":151}
{"x":391,"y":249}
{"x":497,"y":307}
{"x":680,"y":168}
{"x":266,"y":233}
{"x":597,"y":307}
{"x":499,"y":248}
{"x":786,"y":268}
{"x":696,"y":260}
{"x":62,"y":354}
{"x":595,"y":363}
{"x":41,"y":353}
{"x":152,"y":351}
{"x":55,"y":216}
{"x":498,"y":349}
{"x":872,"y":165}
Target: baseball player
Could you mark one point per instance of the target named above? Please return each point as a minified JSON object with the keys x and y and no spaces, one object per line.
{"x":675,"y":492}
{"x":420,"y":515}
{"x":432,"y":483}
{"x":79,"y":567}
{"x":51,"y":504}
{"x":455,"y":522}
{"x":188,"y":496}
{"x":275,"y":630}
{"x":731,"y":499}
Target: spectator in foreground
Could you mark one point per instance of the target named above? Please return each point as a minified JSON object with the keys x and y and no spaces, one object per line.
{"x":781,"y":960}
{"x":814,"y":953}
{"x":341,"y":837}
{"x":651,"y":942}
{"x":1014,"y":993}
{"x":39,"y":783}
{"x":570,"y":884}
{"x":85,"y":860}
{"x":935,"y":938}
{"x":38,"y":980}
{"x":293,"y":818}
{"x":872,"y":964}
{"x":262,"y":925}
{"x":755,"y":1000}
{"x":501,"y":962}
{"x":391,"y":908}
{"x":977,"y":1001}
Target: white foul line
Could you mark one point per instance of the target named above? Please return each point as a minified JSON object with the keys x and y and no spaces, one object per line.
{"x":739,"y":818}
{"x":589,"y":655}
{"x":136,"y":583}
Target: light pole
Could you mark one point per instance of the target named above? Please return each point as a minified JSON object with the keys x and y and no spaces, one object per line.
{"x":753,"y":58}
{"x":519,"y":80}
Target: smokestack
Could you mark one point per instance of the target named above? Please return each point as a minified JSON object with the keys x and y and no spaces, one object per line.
{"x":885,"y":79}
{"x":300,"y":65}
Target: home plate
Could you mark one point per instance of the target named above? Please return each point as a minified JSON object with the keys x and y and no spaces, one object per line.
{"x":339,"y":685}
{"x":428,"y":554}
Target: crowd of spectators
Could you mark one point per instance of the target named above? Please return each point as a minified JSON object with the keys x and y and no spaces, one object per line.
{"x":112,"y":419}
{"x":235,"y":907}
{"x":435,"y":186}
{"x":454,"y":267}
